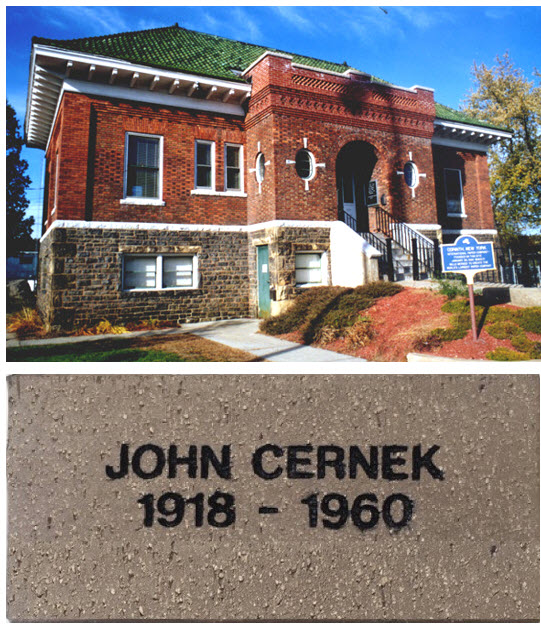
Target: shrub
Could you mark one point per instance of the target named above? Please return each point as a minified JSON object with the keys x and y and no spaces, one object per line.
{"x":452,"y":288}
{"x":500,"y":314}
{"x":325,"y":312}
{"x":307,"y":306}
{"x":521,"y":343}
{"x":505,"y":354}
{"x":106,"y":328}
{"x":377,"y":290}
{"x":503,"y":329}
{"x":530,"y":319}
{"x":25,"y":323}
{"x":431,"y":341}
{"x":360,"y":334}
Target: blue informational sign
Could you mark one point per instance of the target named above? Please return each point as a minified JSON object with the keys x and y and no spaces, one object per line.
{"x":467,"y":256}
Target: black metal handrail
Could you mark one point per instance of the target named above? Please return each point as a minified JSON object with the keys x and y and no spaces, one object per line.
{"x":412,"y":241}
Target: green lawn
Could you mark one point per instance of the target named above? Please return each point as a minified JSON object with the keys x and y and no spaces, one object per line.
{"x":90,"y":351}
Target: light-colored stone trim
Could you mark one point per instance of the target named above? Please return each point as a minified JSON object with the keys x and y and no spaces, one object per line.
{"x":185,"y":227}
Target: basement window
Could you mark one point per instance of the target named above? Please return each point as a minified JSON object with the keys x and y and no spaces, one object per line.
{"x":158,"y":272}
{"x":454,"y":197}
{"x":310,"y":269}
{"x":143,"y":167}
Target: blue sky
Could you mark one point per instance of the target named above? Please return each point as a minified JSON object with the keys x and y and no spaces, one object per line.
{"x":430,"y":46}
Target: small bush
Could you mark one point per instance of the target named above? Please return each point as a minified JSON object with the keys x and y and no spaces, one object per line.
{"x":503,"y":329}
{"x":306,"y":307}
{"x":106,"y":328}
{"x":25,"y":323}
{"x":431,"y":341}
{"x":360,"y":334}
{"x":521,"y":343}
{"x":452,"y":288}
{"x":505,"y":354}
{"x":530,"y":319}
{"x":327,"y":312}
{"x":377,"y":290}
{"x":498,"y":314}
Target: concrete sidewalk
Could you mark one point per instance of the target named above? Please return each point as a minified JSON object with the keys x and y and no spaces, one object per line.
{"x":243,"y":335}
{"x":235,"y":333}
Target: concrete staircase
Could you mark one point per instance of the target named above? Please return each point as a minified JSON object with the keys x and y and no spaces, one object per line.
{"x":402,"y":263}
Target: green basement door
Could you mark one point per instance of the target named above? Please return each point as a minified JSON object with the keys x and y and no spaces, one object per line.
{"x":263,"y":281}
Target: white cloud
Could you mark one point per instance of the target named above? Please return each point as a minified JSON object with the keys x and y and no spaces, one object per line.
{"x":99,"y":20}
{"x":293,"y":16}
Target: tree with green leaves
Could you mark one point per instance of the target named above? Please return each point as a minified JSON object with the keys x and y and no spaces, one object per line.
{"x":502,"y":96}
{"x":18,"y":226}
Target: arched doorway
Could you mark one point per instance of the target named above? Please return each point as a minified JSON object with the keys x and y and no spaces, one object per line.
{"x":354,"y":167}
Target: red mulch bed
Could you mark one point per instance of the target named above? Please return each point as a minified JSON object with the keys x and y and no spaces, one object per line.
{"x":400,"y":320}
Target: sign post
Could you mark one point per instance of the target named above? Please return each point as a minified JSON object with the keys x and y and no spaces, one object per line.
{"x":468,"y":257}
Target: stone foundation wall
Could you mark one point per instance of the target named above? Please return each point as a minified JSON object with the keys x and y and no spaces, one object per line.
{"x":284,"y":243}
{"x":80,"y":276}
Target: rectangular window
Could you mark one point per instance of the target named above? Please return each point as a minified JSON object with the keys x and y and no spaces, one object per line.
{"x":453,"y":191}
{"x":143,"y":165}
{"x":160,"y":271}
{"x":204,"y":164}
{"x":233,"y":167}
{"x":140,"y":272}
{"x":308,"y":268}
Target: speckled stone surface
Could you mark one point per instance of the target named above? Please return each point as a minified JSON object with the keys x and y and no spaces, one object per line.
{"x":78,"y":549}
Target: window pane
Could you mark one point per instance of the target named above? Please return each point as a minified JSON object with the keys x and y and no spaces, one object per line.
{"x":204,"y":177}
{"x":177,"y":271}
{"x":260,"y":167}
{"x":232,"y":156}
{"x":304,"y":261}
{"x":233,"y":178}
{"x":143,"y":151}
{"x":143,"y":167}
{"x":308,"y":276}
{"x":303,"y":164}
{"x":139,"y":273}
{"x":308,"y":268}
{"x":142,"y":182}
{"x":203,"y":154}
{"x":453,"y":191}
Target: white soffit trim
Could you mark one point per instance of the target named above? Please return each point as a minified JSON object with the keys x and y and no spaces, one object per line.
{"x":147,"y":96}
{"x":475,"y":128}
{"x":460,"y":144}
{"x":184,"y":227}
{"x":119,"y":64}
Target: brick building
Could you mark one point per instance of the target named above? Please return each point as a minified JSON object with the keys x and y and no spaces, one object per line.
{"x":191,"y":176}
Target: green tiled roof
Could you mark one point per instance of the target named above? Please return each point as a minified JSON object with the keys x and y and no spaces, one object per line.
{"x":181,"y":50}
{"x":178,"y":49}
{"x":447,"y":113}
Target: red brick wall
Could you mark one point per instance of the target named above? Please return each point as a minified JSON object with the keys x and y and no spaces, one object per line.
{"x":473,"y":167}
{"x":289,"y":104}
{"x":106,"y":123}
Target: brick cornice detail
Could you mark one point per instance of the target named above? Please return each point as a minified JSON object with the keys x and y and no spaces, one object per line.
{"x":327,"y":108}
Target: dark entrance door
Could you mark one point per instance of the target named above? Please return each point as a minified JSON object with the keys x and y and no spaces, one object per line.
{"x":354,"y":167}
{"x":263,"y":281}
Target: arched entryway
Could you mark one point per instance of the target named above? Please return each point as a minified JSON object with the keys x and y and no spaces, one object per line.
{"x":354,"y":167}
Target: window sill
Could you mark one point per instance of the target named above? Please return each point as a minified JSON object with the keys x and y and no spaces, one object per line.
{"x":141,"y":201}
{"x":218,"y":193}
{"x":150,"y":290}
{"x":455,"y":215}
{"x":310,"y":285}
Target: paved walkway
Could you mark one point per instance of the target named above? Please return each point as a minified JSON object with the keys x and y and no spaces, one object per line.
{"x":235,"y":333}
{"x":242,"y":334}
